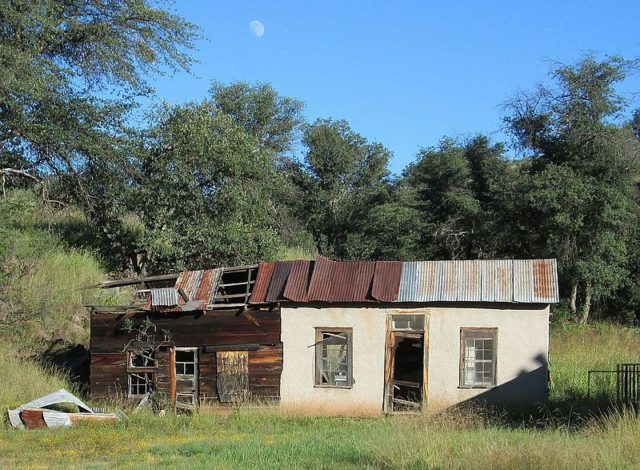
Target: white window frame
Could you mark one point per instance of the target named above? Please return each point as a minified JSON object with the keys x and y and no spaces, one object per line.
{"x":469,"y":334}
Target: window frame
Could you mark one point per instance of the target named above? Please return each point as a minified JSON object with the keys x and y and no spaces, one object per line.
{"x":466,"y":333}
{"x":194,"y":351}
{"x":408,"y":330}
{"x":141,"y":371}
{"x":149,"y":383}
{"x":320,"y":331}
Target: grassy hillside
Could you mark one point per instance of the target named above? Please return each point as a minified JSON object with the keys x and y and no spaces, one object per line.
{"x":556,"y":436}
{"x":42,"y":278}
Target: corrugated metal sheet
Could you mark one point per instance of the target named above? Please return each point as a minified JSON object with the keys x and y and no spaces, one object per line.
{"x":208,"y":285}
{"x":341,"y":281}
{"x":325,"y":280}
{"x":386,"y":281}
{"x":545,"y":275}
{"x":164,"y":297}
{"x":263,"y":279}
{"x":298,"y":282}
{"x":278,"y":281}
{"x":526,"y":281}
{"x":469,"y":288}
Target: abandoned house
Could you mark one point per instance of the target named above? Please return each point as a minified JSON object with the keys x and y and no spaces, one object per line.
{"x":332,"y":336}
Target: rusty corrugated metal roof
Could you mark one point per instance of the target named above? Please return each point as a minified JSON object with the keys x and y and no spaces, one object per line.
{"x":263,"y":279}
{"x":325,"y":280}
{"x":386,"y":281}
{"x":298,"y":282}
{"x":341,"y":281}
{"x":208,"y":285}
{"x":524,"y":281}
{"x":278,"y":281}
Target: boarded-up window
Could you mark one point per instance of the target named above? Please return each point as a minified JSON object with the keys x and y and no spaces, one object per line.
{"x":333,"y":357}
{"x":233,"y":376}
{"x":478,"y":357}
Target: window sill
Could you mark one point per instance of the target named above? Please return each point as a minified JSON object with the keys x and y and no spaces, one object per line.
{"x":341,"y":387}
{"x":476,"y":387}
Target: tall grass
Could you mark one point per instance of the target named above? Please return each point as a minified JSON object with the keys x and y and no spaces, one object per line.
{"x":576,"y":349}
{"x":42,"y":281}
{"x":23,"y":380}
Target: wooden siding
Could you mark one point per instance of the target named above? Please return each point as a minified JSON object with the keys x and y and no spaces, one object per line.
{"x":259,"y":333}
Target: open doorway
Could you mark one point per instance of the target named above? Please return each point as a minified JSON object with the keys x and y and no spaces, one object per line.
{"x":405,"y":364}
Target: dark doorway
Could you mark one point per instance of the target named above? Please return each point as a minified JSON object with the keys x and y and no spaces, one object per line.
{"x":408,"y":371}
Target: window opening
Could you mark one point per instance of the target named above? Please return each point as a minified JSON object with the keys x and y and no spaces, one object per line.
{"x":478,"y":358}
{"x":185,"y":362}
{"x":407,"y":322}
{"x":333,"y":358}
{"x":140,"y":383}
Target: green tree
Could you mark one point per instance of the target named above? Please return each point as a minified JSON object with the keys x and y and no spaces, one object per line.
{"x":205,"y":192}
{"x":457,"y":194}
{"x":271,"y":119}
{"x":583,"y":197}
{"x":341,"y":177}
{"x":71,"y":73}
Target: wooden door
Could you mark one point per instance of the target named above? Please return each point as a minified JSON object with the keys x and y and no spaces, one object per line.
{"x":233,"y":376}
{"x":185,"y":362}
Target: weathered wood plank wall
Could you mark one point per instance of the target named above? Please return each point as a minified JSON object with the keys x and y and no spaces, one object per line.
{"x":224,"y":329}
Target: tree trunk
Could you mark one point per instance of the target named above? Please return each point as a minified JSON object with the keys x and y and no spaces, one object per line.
{"x":573,"y":299}
{"x":586,"y":307}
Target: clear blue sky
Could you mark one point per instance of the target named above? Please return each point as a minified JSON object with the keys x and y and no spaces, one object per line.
{"x":403,"y":73}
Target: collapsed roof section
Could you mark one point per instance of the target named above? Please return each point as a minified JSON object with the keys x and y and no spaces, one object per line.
{"x":329,"y":281}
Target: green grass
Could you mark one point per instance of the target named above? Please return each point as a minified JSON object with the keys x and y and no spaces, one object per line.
{"x":42,"y":280}
{"x":267,"y":438}
{"x":576,"y":349}
{"x":24,"y":380}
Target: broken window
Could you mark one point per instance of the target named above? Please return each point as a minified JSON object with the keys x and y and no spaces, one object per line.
{"x":141,"y":369}
{"x":140,"y":384}
{"x":185,"y":361}
{"x":333,"y":357}
{"x":143,"y":358}
{"x":407,"y":322}
{"x":478,"y":357}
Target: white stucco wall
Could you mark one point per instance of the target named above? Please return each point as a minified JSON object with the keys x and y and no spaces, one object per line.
{"x":522,"y":354}
{"x":523,"y":335}
{"x":297,"y":383}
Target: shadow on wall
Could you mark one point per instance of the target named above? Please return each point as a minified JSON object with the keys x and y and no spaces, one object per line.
{"x":529,"y":388}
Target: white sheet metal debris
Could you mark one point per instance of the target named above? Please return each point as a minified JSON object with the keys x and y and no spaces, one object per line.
{"x":37,"y":413}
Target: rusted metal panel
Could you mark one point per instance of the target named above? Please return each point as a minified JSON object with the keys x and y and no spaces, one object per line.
{"x":523,"y":281}
{"x":321,"y":279}
{"x":469,"y":280}
{"x":278,"y":281}
{"x":208,"y":285}
{"x":188,"y":281}
{"x":341,"y":281}
{"x":448,"y":280}
{"x":263,"y":279}
{"x":526,"y":281}
{"x":545,"y":275}
{"x":298,"y":281}
{"x":503,"y":281}
{"x":428,"y":281}
{"x":386,"y":281}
